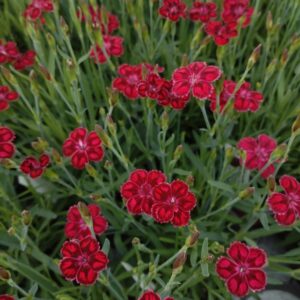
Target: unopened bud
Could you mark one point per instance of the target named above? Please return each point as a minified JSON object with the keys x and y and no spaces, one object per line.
{"x":178,"y":152}
{"x":180,"y":260}
{"x":295,"y":45}
{"x":51,"y":175}
{"x":11,"y":231}
{"x":229,"y":153}
{"x":217,"y":248}
{"x":113,"y":97}
{"x":45,"y":73}
{"x":271,"y":183}
{"x":56,"y":157}
{"x":103,"y":135}
{"x":296,"y":126}
{"x":8,"y":163}
{"x":96,"y":197}
{"x":26,"y":217}
{"x":135,"y":241}
{"x":190,"y":180}
{"x":248,"y":192}
{"x":8,"y":75}
{"x":184,"y":60}
{"x":111,"y":126}
{"x":284,"y":57}
{"x":193,"y":238}
{"x":40,"y":145}
{"x":108,"y":165}
{"x":91,"y":170}
{"x":164,"y":121}
{"x":279,"y":152}
{"x":4,"y":274}
{"x":254,"y":57}
{"x":269,"y":22}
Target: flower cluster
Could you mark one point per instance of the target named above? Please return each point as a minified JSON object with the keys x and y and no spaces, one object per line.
{"x":10,"y":54}
{"x":195,"y":80}
{"x":107,"y":23}
{"x":150,"y":295}
{"x":286,"y":206}
{"x":82,"y":257}
{"x":233,"y":13}
{"x":36,"y":9}
{"x":35,"y":167}
{"x":83,"y":146}
{"x":242,"y":270}
{"x":6,"y":96}
{"x":148,"y":192}
{"x":258,"y":153}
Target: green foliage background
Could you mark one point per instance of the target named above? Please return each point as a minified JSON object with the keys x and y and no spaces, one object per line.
{"x":143,"y":135}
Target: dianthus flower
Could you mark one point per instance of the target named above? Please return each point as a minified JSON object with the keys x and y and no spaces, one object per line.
{"x":138,"y":190}
{"x":173,"y":10}
{"x":150,"y":295}
{"x":77,"y":228}
{"x":6,"y":96}
{"x":258,"y":153}
{"x":173,"y":203}
{"x":34,"y":11}
{"x":203,"y":11}
{"x":6,"y":297}
{"x":33,"y":167}
{"x":113,"y":46}
{"x":221,"y":32}
{"x":196,"y":78}
{"x":82,"y":261}
{"x":7,"y":148}
{"x":243,"y":269}
{"x":286,"y":206}
{"x":83,"y":147}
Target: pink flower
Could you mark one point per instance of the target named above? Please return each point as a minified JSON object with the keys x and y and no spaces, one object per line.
{"x":258,"y":152}
{"x":196,"y":78}
{"x":286,"y":206}
{"x":242,"y":270}
{"x":7,"y":148}
{"x":151,"y":86}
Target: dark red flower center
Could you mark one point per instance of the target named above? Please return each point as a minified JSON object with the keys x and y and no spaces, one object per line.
{"x":145,"y":190}
{"x":133,"y":79}
{"x":294,"y":199}
{"x":262,"y":153}
{"x":81,"y":145}
{"x":239,"y":10}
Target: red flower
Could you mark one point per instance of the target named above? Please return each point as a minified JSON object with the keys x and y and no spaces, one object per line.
{"x":83,"y":147}
{"x":242,"y":270}
{"x":77,"y":228}
{"x":6,"y":297}
{"x":34,"y":11}
{"x":151,"y":86}
{"x":203,"y":11}
{"x":150,"y":295}
{"x":172,"y":10}
{"x":258,"y":152}
{"x":25,"y":60}
{"x":235,"y":9}
{"x":173,"y":203}
{"x":82,"y":260}
{"x":33,"y":167}
{"x":7,"y":148}
{"x":138,"y":190}
{"x":129,"y":78}
{"x":286,"y":206}
{"x":167,"y":98}
{"x":101,"y":18}
{"x":244,"y":99}
{"x":113,"y":46}
{"x":6,"y":96}
{"x":8,"y":52}
{"x":196,"y":78}
{"x":221,"y":32}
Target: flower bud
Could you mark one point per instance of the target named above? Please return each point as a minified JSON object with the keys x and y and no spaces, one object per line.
{"x":229,"y":153}
{"x":295,"y":45}
{"x":96,"y":197}
{"x":83,"y":209}
{"x":271,"y":184}
{"x":108,"y":165}
{"x":178,"y":152}
{"x":193,"y":238}
{"x":190,"y":180}
{"x":296,"y":126}
{"x":180,"y":260}
{"x":135,"y":241}
{"x":103,"y":135}
{"x":248,"y":192}
{"x":8,"y":163}
{"x":26,"y":217}
{"x":254,"y":57}
{"x":4,"y":274}
{"x":56,"y":157}
{"x":113,"y":97}
{"x":8,"y":75}
{"x":11,"y":231}
{"x":40,"y":145}
{"x":164,"y":121}
{"x":91,"y":170}
{"x":111,"y":126}
{"x":279,"y":152}
{"x":284,"y":57}
{"x":184,"y":60}
{"x":271,"y":67}
{"x":217,"y":248}
{"x":269,"y":22}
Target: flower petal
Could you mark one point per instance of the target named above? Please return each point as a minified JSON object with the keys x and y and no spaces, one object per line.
{"x":257,"y":258}
{"x":237,"y":285}
{"x":162,"y":213}
{"x":139,"y":176}
{"x":238,"y":252}
{"x":257,"y":280}
{"x":156,"y":177}
{"x":225,"y":267}
{"x":179,"y":188}
{"x":93,"y":140}
{"x":289,"y":183}
{"x":278,"y":203}
{"x":69,"y":268}
{"x":188,"y":202}
{"x":286,"y":219}
{"x":210,"y":74}
{"x":181,"y":218}
{"x":78,"y":134}
{"x":162,"y":192}
{"x":86,"y":275}
{"x":98,"y":261}
{"x":89,"y":245}
{"x":70,"y":249}
{"x":129,"y":189}
{"x":202,"y":90}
